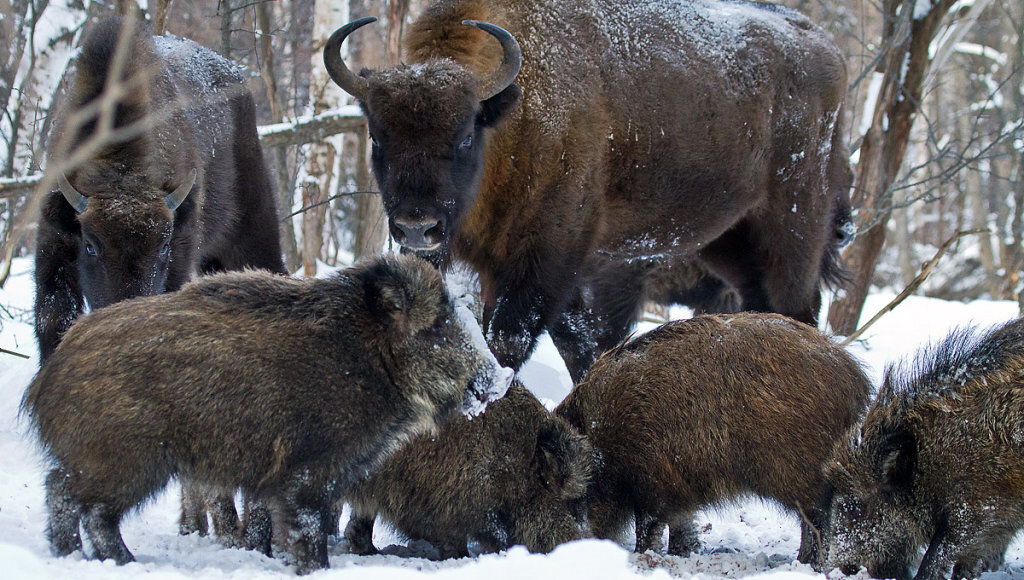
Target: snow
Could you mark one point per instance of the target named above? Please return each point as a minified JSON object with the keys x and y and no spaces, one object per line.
{"x":752,"y":539}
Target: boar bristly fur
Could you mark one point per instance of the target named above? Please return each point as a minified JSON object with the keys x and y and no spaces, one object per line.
{"x":292,"y":390}
{"x":703,"y":411}
{"x":936,"y":462}
{"x":514,"y":475}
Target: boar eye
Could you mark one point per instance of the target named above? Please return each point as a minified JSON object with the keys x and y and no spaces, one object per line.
{"x":438,"y":328}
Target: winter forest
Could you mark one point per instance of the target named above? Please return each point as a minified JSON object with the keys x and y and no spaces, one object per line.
{"x":933,"y":118}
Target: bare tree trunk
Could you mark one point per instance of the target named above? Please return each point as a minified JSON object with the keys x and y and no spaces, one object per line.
{"x":278,"y":155}
{"x":367,"y":49}
{"x":397,"y":11}
{"x":226,"y":12}
{"x":905,"y":64}
{"x":159,"y":11}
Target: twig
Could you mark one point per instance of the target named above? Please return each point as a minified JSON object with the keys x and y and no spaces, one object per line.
{"x":926,"y":270}
{"x":11,"y":352}
{"x":327,"y":201}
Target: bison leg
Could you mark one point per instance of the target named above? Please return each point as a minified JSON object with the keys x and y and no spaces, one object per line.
{"x":64,"y":514}
{"x":682,"y":537}
{"x":649,"y":530}
{"x":257,"y":531}
{"x":102,"y":525}
{"x":359,"y":534}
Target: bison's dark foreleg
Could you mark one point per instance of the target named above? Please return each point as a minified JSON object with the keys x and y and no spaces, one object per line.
{"x":576,"y":336}
{"x":359,"y":534}
{"x":102,"y":524}
{"x":64,"y":514}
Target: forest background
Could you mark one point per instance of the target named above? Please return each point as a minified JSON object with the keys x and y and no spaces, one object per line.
{"x":934,"y":118}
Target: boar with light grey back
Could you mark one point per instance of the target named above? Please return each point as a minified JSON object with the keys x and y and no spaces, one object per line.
{"x":515,"y":475}
{"x":292,"y":390}
{"x":937,"y":463}
{"x":699,"y":412}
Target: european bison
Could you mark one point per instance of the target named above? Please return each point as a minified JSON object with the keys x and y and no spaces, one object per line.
{"x":706,"y":410}
{"x":635,"y":133}
{"x":292,"y":390}
{"x":178,"y":187}
{"x":514,"y":475}
{"x":936,"y":462}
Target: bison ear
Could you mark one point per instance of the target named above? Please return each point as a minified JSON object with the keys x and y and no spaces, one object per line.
{"x":497,"y":107}
{"x":897,"y":460}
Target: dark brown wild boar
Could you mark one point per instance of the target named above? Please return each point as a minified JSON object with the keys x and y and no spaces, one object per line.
{"x":936,"y":462}
{"x":292,"y":390}
{"x":698,"y":412}
{"x":516,"y":474}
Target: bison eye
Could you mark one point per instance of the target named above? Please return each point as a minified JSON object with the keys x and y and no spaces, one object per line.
{"x":466,"y":143}
{"x":90,"y":249}
{"x":165,"y":250}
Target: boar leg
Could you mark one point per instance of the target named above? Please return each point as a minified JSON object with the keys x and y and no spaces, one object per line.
{"x":64,"y":514}
{"x":304,"y":514}
{"x":648,"y":532}
{"x":955,"y":535}
{"x":257,"y":531}
{"x":359,"y":533}
{"x":224,"y":515}
{"x":193,"y":509}
{"x":102,"y":524}
{"x":810,"y":548}
{"x":682,"y":537}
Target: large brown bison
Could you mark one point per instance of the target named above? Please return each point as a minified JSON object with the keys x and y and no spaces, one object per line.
{"x":635,"y":132}
{"x":176,"y":187}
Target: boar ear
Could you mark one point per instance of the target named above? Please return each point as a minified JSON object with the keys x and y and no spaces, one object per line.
{"x":387,"y":298}
{"x":563,"y":460}
{"x":896,"y":461}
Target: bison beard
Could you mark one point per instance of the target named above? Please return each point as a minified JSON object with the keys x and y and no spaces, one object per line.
{"x":636,"y":135}
{"x":186,"y":193}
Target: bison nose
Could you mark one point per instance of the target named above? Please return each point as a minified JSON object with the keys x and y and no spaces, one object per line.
{"x":418,"y":234}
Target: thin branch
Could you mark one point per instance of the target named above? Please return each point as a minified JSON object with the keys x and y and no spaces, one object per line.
{"x":327,"y":201}
{"x":926,"y":270}
{"x":11,"y":352}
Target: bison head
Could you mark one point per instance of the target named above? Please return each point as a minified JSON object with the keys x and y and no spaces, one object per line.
{"x":125,"y":240}
{"x":426,"y":124}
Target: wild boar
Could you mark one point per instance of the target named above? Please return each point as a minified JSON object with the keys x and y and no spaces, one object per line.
{"x":702,"y":411}
{"x":516,"y":474}
{"x":292,"y":390}
{"x":936,"y":462}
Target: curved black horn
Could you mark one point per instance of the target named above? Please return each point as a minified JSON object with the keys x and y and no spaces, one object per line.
{"x":174,"y":199}
{"x":511,"y":60}
{"x":349,"y":82}
{"x":77,"y":200}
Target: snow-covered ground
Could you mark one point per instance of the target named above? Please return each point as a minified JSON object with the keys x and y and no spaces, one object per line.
{"x":750,"y":539}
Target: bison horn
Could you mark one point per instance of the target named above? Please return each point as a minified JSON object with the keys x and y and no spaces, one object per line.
{"x":77,"y":200}
{"x":511,"y":60}
{"x":349,"y":82}
{"x":174,"y":199}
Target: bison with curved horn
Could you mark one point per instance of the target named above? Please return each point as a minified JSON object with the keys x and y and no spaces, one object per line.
{"x":595,"y":142}
{"x":160,"y":177}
